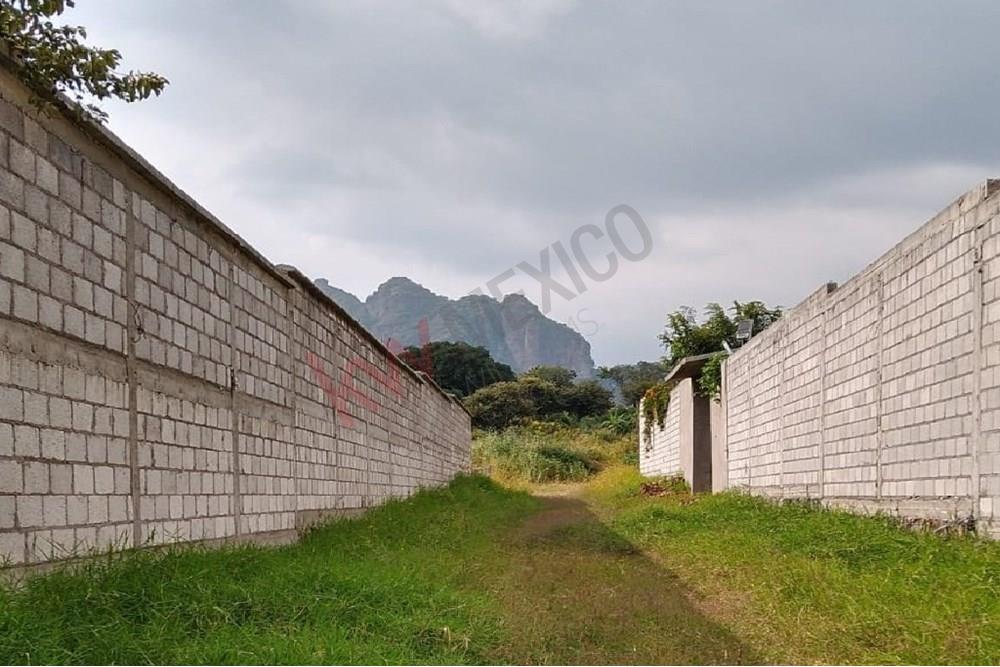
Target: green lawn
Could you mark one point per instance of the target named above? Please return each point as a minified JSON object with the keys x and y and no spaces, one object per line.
{"x":479,"y":573}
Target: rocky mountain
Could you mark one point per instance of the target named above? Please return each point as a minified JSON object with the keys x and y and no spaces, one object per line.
{"x":513,"y":330}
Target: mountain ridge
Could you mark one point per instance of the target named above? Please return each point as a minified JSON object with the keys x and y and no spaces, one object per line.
{"x":513,"y":329}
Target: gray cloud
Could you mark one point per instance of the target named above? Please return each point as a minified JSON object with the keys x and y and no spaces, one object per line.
{"x":771,"y":146}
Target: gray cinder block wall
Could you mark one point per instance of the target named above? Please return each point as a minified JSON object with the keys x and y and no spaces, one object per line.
{"x":660,"y":454}
{"x":883,"y":393}
{"x":161,"y":381}
{"x":683,"y":446}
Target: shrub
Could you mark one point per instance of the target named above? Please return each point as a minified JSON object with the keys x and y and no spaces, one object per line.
{"x":533,"y":396}
{"x":620,"y":421}
{"x":457,"y":367}
{"x":548,"y":452}
{"x":500,"y":405}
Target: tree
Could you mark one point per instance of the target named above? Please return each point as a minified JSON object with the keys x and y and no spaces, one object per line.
{"x":557,"y":375}
{"x":762,"y":316}
{"x":531,"y":397}
{"x":457,"y":367}
{"x":587,"y":399}
{"x":546,"y":398}
{"x":499,"y":405}
{"x":52,"y":59}
{"x":633,"y":380}
{"x":685,"y":337}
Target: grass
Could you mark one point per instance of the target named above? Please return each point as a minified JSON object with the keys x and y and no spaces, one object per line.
{"x":381,"y":589}
{"x":542,"y":452}
{"x":593,"y":572}
{"x":801,"y":584}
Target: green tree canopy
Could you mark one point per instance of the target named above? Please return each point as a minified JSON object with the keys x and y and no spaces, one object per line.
{"x":53,"y":59}
{"x":499,"y":405}
{"x":587,"y":398}
{"x":557,"y":375}
{"x":633,"y":380}
{"x":457,"y":367}
{"x":532,"y":397}
{"x":684,"y":336}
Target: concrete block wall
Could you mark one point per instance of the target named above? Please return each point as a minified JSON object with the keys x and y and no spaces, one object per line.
{"x":683,"y":447}
{"x":883,"y":393}
{"x":660,"y":455}
{"x":161,"y":381}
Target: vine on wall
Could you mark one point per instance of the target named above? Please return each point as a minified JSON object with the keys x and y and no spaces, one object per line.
{"x":654,"y":408}
{"x":710,"y":380}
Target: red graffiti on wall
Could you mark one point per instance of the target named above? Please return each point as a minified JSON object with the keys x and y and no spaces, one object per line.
{"x":423,"y":362}
{"x":344,"y":391}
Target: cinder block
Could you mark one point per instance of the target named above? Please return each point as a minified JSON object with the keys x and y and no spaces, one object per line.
{"x":24,"y":232}
{"x":47,"y":176}
{"x":36,"y":477}
{"x":12,"y":548}
{"x":97,"y":449}
{"x":97,"y":507}
{"x":54,"y":510}
{"x":11,"y":262}
{"x":75,"y":383}
{"x":77,"y":510}
{"x":36,"y":274}
{"x":70,"y":190}
{"x":25,"y":304}
{"x":22,"y":160}
{"x":103,"y":243}
{"x":60,"y":414}
{"x":61,"y":478}
{"x":104,"y":480}
{"x":113,"y":277}
{"x":7,"y":513}
{"x":6,"y":440}
{"x":83,"y":479}
{"x":11,"y":189}
{"x":94,"y":329}
{"x":122,"y":481}
{"x":29,"y":511}
{"x":11,"y":403}
{"x":83,"y":294}
{"x":83,"y":416}
{"x":73,"y":322}
{"x":83,"y":231}
{"x":26,"y":441}
{"x":11,"y":477}
{"x":50,"y":313}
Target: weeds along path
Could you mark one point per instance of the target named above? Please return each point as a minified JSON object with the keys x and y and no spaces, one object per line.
{"x":573,"y":591}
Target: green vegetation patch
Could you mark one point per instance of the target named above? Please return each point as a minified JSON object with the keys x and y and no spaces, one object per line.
{"x":542,"y":452}
{"x":805,"y":584}
{"x":380,"y":589}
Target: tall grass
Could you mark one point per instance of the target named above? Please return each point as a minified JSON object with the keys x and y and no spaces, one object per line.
{"x":542,"y":452}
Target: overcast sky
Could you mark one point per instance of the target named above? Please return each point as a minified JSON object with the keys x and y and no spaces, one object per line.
{"x":769,"y":146}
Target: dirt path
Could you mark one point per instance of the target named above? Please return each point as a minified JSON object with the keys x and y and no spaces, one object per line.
{"x":576,"y":592}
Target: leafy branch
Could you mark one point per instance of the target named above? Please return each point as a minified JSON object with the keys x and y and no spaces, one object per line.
{"x":53,"y":60}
